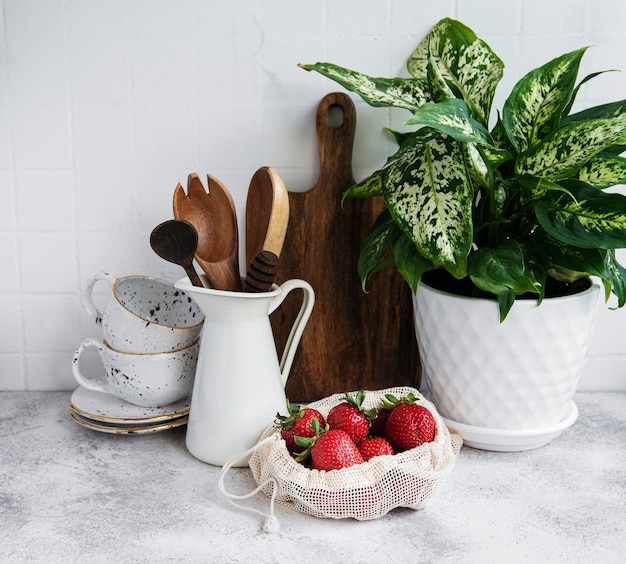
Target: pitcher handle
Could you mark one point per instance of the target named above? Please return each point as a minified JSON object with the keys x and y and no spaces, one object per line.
{"x":298,"y":327}
{"x":88,"y":304}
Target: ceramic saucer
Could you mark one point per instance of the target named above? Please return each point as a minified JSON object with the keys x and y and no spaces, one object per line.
{"x":108,"y":408}
{"x":505,"y":440}
{"x":127,"y":428}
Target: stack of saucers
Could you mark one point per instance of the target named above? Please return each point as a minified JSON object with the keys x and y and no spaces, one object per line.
{"x":109,"y":414}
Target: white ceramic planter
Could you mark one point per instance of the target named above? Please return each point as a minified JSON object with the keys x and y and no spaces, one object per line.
{"x":519,"y":375}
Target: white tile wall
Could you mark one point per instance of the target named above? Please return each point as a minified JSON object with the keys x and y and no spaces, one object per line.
{"x":106,"y":104}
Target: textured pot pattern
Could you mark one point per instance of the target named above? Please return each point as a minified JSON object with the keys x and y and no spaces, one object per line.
{"x":519,"y":374}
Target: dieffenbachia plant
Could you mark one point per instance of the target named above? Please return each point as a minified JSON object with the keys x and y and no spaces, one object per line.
{"x":507,"y":206}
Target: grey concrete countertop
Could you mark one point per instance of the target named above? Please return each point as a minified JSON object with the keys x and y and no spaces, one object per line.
{"x":70,"y":494}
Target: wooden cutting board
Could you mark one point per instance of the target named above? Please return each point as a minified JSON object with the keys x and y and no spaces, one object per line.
{"x":353,"y":340}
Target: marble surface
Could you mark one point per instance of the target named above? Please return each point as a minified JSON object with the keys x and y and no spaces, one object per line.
{"x":70,"y":494}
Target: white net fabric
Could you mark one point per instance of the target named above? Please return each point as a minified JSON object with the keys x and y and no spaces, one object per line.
{"x":363,"y":491}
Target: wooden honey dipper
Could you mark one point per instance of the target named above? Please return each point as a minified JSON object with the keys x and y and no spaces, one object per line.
{"x":267,"y":216}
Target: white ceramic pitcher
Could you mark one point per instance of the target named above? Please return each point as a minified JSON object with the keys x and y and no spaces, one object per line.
{"x":239,"y":384}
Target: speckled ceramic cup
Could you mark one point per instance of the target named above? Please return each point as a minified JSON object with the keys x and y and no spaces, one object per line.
{"x":144,"y":314}
{"x":148,"y":380}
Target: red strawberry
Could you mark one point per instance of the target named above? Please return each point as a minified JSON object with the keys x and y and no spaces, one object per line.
{"x":298,"y":424}
{"x":377,"y":425}
{"x":374,"y":446}
{"x":409,"y":425}
{"x":329,"y":449}
{"x":413,"y":424}
{"x":350,"y":417}
{"x":334,"y":449}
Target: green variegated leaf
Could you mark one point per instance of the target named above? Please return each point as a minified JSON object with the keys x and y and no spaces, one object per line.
{"x":400,"y":136}
{"x":500,"y":270}
{"x":465,"y":61}
{"x":534,"y":107}
{"x":447,"y":36}
{"x":611,"y":110}
{"x":591,"y":219}
{"x":476,"y":167}
{"x":604,"y":170}
{"x":410,"y":264}
{"x":405,"y":93}
{"x":617,"y":276}
{"x":563,"y":152}
{"x":451,"y":116}
{"x":437,"y":85}
{"x":537,"y":187}
{"x":568,"y":108}
{"x":554,"y":252}
{"x":493,"y":156}
{"x":369,"y":187}
{"x":379,"y":238}
{"x":427,"y":191}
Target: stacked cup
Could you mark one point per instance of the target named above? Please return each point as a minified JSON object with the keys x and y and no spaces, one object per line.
{"x":151,"y":340}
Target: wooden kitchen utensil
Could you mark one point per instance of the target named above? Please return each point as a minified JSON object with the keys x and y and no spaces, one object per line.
{"x":354,"y":340}
{"x":267,"y":217}
{"x":176,"y":241}
{"x":215,"y":219}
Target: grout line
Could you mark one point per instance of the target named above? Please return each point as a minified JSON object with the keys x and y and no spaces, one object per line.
{"x":14,"y":206}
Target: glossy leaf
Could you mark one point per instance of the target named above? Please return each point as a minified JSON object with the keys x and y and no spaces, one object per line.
{"x":500,"y":270}
{"x":437,"y":85}
{"x":505,"y":303}
{"x":369,"y":187}
{"x":603,"y":111}
{"x":451,"y":116}
{"x":536,"y":103}
{"x":568,"y":108}
{"x":405,"y":93}
{"x":591,"y":219}
{"x":617,"y":276}
{"x":603,"y":170}
{"x":555,"y":252}
{"x":464,"y":60}
{"x":428,"y":193}
{"x":562,"y":153}
{"x":409,"y":262}
{"x":379,"y":238}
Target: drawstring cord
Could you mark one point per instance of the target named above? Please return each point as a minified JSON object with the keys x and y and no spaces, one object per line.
{"x":271,"y":524}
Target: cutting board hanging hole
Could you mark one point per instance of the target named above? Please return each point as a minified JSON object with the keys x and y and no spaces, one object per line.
{"x":335,"y":116}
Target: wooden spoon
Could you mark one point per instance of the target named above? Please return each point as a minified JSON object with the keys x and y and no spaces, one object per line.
{"x":267,"y":217}
{"x":215,"y":219}
{"x":176,"y":241}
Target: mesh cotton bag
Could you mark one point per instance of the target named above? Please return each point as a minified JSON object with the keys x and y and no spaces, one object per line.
{"x":363,"y":491}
